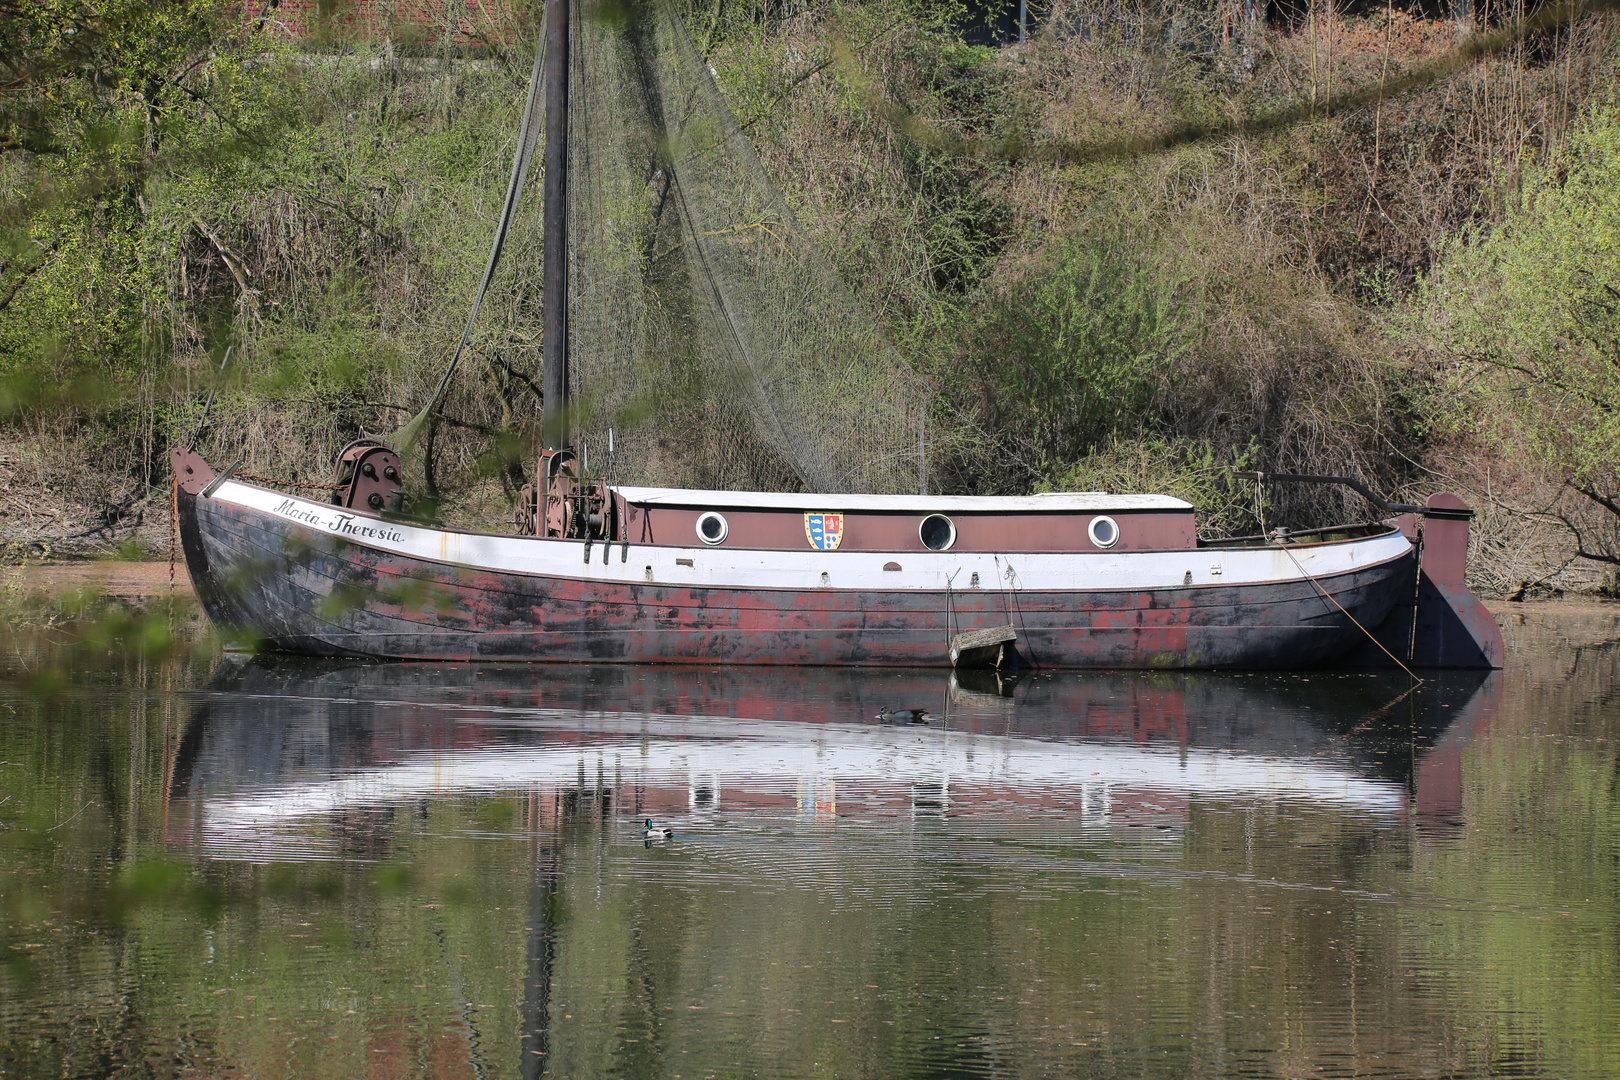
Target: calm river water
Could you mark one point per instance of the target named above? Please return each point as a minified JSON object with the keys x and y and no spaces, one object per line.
{"x":221,"y":867}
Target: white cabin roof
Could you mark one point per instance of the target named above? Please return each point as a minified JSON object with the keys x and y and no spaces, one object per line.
{"x":1047,"y":502}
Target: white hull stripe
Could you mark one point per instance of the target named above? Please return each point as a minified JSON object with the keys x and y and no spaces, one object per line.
{"x":741,"y":568}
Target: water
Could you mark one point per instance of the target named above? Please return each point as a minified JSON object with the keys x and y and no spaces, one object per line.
{"x":227,"y":868}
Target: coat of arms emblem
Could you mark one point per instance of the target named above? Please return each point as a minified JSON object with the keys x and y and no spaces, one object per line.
{"x":826,"y":531}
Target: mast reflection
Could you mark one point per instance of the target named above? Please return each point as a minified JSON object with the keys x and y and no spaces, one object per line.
{"x":309,"y":759}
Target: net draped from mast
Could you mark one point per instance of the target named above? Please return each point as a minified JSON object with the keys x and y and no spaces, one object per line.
{"x":705,"y":328}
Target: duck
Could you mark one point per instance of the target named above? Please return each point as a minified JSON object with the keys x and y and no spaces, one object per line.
{"x":657,"y":832}
{"x":887,"y":715}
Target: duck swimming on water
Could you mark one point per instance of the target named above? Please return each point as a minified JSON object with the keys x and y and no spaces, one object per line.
{"x":657,"y":832}
{"x":887,"y":715}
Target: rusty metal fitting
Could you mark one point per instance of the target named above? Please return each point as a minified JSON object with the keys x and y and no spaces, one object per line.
{"x":368,"y":478}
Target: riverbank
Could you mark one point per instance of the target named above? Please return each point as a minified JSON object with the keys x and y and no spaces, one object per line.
{"x":48,"y":515}
{"x":1073,"y":315}
{"x":107,"y":577}
{"x":97,"y":599}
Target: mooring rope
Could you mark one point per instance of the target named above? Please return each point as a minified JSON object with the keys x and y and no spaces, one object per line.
{"x":1287,"y":551}
{"x":528,"y":134}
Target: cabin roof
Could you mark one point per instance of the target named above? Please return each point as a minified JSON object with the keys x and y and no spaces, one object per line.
{"x":1048,"y":502}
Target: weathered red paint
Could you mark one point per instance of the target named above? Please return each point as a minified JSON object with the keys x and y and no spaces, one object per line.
{"x":305,"y":591}
{"x":783,"y":530}
{"x":1439,"y":623}
{"x":277,"y":579}
{"x":191,"y":471}
{"x":369,"y":474}
{"x":1445,"y":540}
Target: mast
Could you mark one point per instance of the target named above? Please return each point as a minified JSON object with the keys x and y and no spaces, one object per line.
{"x":554,"y":266}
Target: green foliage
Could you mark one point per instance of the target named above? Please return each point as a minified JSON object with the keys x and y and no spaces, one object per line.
{"x":174,"y":181}
{"x":118,"y":121}
{"x":1525,"y":317}
{"x":1074,"y":352}
{"x":1193,"y":470}
{"x":74,"y":71}
{"x":95,"y":625}
{"x":297,"y":208}
{"x":459,"y":153}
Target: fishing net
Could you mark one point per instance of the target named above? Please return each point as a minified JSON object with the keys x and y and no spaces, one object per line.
{"x":706,"y":331}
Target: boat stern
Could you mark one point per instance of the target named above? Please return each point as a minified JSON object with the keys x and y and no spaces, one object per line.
{"x":1440,"y":623}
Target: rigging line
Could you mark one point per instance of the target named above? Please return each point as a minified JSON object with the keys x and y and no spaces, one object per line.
{"x":702,"y":96}
{"x":708,"y":89}
{"x":528,"y":134}
{"x":735,"y":334}
{"x":683,"y":45}
{"x":1012,"y":576}
{"x":1287,"y":551}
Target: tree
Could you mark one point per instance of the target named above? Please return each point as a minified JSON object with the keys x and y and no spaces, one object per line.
{"x":99,"y":103}
{"x":1526,"y":318}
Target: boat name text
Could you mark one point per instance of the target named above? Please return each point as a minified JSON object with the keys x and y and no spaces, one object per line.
{"x":342,"y":524}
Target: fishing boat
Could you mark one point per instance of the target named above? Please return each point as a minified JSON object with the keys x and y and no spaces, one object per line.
{"x":596,"y":570}
{"x":704,"y":577}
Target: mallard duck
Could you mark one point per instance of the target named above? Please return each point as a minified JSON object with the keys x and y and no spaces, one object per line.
{"x":905,"y":716}
{"x":657,"y":832}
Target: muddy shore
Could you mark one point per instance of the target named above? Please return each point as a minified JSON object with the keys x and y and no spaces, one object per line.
{"x":124,"y":580}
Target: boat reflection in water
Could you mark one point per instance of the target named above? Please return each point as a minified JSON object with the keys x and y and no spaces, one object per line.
{"x":279,"y":748}
{"x":1053,"y":793}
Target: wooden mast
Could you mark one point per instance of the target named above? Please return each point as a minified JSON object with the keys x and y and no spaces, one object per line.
{"x":554,"y":267}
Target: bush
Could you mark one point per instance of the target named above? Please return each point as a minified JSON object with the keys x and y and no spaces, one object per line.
{"x":1523,"y":322}
{"x":1186,"y":469}
{"x":1073,"y":353}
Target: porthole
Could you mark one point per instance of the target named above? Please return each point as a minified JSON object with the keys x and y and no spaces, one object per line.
{"x":1104,"y":532}
{"x":711,"y":528}
{"x":937,"y":531}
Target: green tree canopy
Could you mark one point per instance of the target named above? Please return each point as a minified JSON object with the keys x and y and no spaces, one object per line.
{"x":1527,"y":316}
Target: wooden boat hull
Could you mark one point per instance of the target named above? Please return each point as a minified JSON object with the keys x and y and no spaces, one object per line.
{"x":306,"y":577}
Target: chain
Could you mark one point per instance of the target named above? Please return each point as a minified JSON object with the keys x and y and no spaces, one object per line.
{"x":174,"y":526}
{"x":174,"y":508}
{"x":256,"y":479}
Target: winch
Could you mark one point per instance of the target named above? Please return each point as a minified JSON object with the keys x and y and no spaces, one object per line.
{"x":561,"y":504}
{"x":368,"y":478}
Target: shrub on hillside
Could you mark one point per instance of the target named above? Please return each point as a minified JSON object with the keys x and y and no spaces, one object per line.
{"x":1524,"y":319}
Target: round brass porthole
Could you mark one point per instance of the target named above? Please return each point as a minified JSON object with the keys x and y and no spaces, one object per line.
{"x":712,"y":528}
{"x":1104,"y":532}
{"x":937,"y":532}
